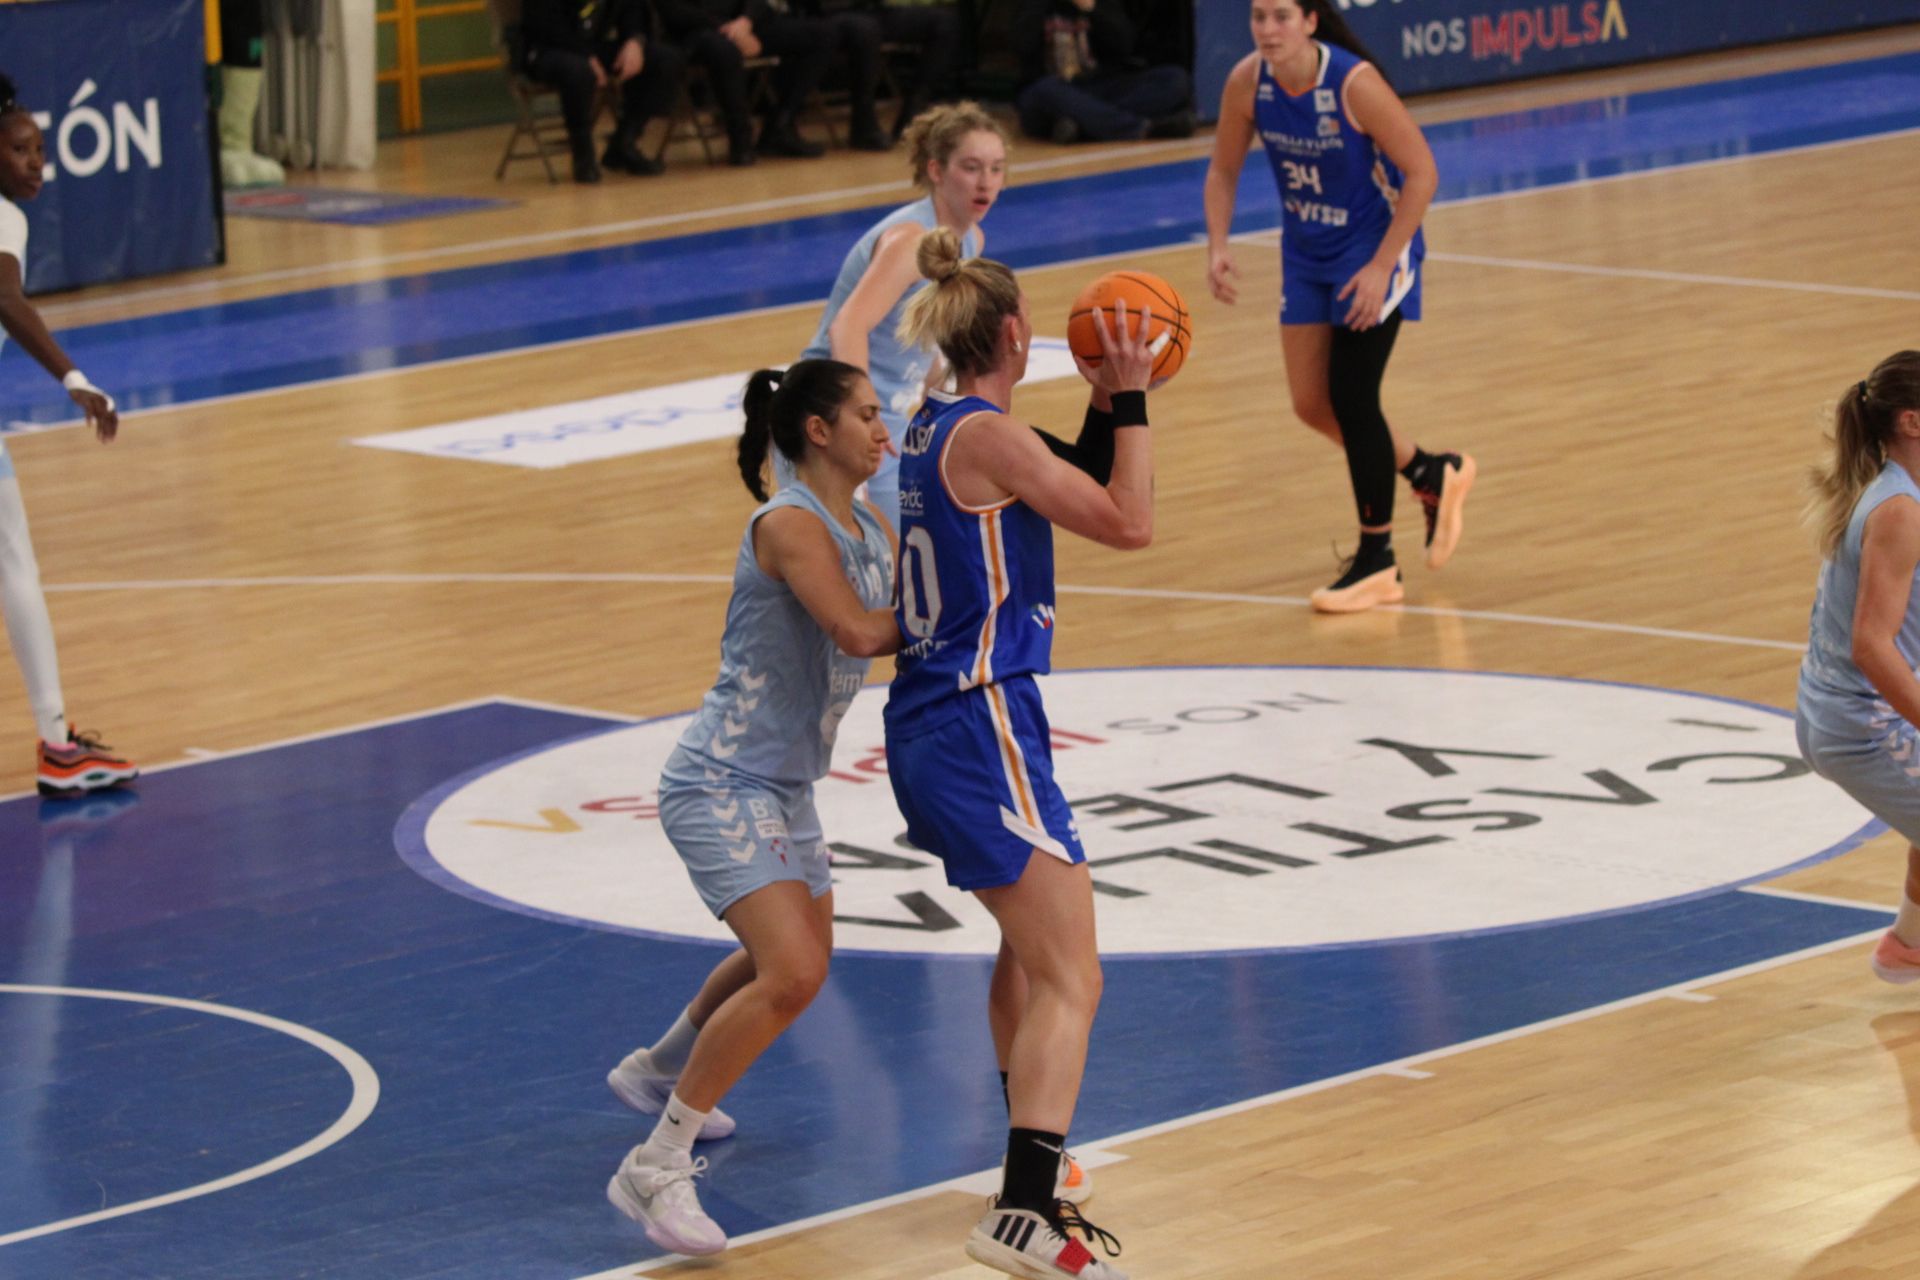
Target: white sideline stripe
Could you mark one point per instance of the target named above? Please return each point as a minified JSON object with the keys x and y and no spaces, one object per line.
{"x":366,"y":1095}
{"x":300,"y":739}
{"x":1691,"y":997}
{"x":562,"y":235}
{"x":1141,"y":593}
{"x":1825,"y":900}
{"x":1405,"y":1073}
{"x":1677,"y":277}
{"x":1315,"y":1086}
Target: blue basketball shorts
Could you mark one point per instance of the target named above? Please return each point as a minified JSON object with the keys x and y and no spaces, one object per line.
{"x":1308,"y":293}
{"x":738,"y":834}
{"x":974,"y":779}
{"x":1883,"y":774}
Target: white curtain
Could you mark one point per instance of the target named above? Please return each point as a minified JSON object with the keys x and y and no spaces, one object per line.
{"x":318,"y":107}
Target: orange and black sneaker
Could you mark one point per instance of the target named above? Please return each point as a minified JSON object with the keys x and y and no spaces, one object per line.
{"x":1443,"y":499}
{"x":1368,"y":579}
{"x":81,"y":765}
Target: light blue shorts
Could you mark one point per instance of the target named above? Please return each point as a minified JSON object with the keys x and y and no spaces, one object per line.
{"x":738,"y":834}
{"x":1883,"y":775}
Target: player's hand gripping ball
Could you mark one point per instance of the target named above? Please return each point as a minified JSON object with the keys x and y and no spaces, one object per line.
{"x":1170,"y":338}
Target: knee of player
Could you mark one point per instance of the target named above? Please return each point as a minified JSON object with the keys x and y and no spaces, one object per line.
{"x":792,"y":987}
{"x":1316,"y":412}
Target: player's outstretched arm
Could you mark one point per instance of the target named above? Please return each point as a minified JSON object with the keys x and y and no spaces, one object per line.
{"x":794,"y":547}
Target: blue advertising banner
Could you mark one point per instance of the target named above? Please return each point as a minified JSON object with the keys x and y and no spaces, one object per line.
{"x":1424,"y":45}
{"x":118,"y":87}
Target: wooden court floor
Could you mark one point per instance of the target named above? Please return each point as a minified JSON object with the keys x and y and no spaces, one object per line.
{"x":1643,"y":432}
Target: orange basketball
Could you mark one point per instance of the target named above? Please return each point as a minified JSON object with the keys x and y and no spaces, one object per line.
{"x":1172,"y":334}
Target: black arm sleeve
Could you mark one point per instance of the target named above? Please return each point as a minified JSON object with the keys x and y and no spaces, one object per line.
{"x":1092,"y":452}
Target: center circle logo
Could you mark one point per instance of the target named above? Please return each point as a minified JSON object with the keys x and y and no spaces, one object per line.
{"x":1222,"y":809}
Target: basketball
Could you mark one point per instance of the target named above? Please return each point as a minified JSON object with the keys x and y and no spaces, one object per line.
{"x":1172,"y":334}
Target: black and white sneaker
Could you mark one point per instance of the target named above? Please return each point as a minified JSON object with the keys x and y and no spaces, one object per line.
{"x":1020,"y":1242}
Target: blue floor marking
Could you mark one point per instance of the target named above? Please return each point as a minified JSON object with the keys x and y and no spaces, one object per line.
{"x":270,"y":882}
{"x":287,"y":340}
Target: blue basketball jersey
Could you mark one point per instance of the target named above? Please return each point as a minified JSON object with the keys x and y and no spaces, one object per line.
{"x":775,"y":708}
{"x":976,"y":583}
{"x":1338,"y":190}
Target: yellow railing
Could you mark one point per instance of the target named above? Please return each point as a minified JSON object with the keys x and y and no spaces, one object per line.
{"x":405,"y":17}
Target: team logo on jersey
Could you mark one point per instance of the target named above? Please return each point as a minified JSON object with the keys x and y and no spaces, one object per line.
{"x":912,"y":501}
{"x":1329,"y":126}
{"x":1042,"y":614}
{"x":1222,"y":808}
{"x":1266,"y":92}
{"x":1325,"y":101}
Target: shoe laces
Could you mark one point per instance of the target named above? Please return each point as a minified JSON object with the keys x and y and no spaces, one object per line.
{"x":674,"y":1183}
{"x":1066,"y":1215}
{"x":86,"y":740}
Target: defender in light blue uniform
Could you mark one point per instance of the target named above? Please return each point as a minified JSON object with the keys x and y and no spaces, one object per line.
{"x":811,"y":587}
{"x":1859,"y":698}
{"x":1338,"y":191}
{"x":1847,"y":731}
{"x":959,"y":157}
{"x":977,"y":617}
{"x":899,"y":371}
{"x":736,"y":796}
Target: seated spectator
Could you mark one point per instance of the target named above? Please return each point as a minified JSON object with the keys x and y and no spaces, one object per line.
{"x":935,"y":27}
{"x":578,"y":47}
{"x":1083,"y":78}
{"x":722,"y":34}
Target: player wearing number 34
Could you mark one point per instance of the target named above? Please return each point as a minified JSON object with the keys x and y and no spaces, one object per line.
{"x":1355,"y":177}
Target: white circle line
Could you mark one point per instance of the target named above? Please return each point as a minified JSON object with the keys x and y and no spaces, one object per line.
{"x":1144,"y":593}
{"x":366,"y":1095}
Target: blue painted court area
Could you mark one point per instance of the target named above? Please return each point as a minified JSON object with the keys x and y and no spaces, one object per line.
{"x":269,"y":883}
{"x":266,"y":343}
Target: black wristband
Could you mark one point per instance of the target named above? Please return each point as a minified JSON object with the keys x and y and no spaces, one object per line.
{"x":1129,"y":408}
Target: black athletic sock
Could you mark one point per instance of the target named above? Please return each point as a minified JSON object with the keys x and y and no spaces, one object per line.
{"x":1033,"y":1169}
{"x":1375,"y":549}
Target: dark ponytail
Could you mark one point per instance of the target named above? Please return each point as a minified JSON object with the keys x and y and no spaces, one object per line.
{"x":777,"y":406}
{"x":9,"y":99}
{"x":1333,"y":29}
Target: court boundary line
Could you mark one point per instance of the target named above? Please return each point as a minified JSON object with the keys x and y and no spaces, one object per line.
{"x":1393,"y":1069}
{"x":366,"y":1096}
{"x":565,"y":234}
{"x":714,"y":579}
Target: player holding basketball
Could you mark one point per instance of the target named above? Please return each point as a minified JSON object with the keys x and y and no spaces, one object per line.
{"x":959,"y":158}
{"x":1339,"y":140}
{"x":69,"y":763}
{"x":967,"y":740}
{"x":1859,"y":699}
{"x":812,"y":588}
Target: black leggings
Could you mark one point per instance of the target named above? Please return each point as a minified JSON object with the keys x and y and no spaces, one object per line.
{"x":1355,"y":367}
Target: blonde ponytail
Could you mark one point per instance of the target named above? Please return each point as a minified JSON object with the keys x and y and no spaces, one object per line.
{"x":961,"y":310}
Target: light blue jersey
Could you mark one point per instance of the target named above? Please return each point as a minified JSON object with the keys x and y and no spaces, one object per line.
{"x":898,"y":371}
{"x":1338,"y":193}
{"x":976,"y":583}
{"x":1835,"y":698}
{"x":775,"y":708}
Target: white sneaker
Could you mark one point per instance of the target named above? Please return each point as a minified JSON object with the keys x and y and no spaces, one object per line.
{"x":1023,"y":1243}
{"x":661,"y":1198}
{"x":637,"y":1084}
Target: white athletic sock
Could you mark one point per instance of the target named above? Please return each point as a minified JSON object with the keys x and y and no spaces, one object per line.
{"x":1907,"y":926}
{"x":673,"y":1134}
{"x":671,"y":1053}
{"x":29,"y":628}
